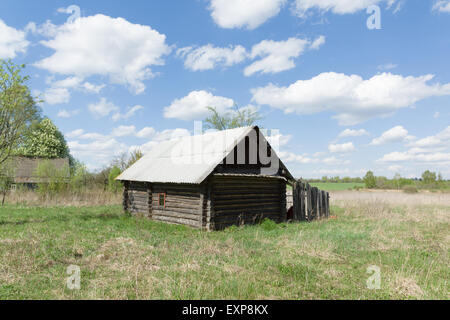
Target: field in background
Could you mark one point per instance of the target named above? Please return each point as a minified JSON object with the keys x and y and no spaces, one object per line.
{"x":336,"y":186}
{"x":406,"y":236}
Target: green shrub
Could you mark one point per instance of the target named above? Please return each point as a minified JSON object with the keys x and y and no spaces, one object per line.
{"x":113,"y":184}
{"x":52,"y":180}
{"x":410,"y":189}
{"x":268,"y":224}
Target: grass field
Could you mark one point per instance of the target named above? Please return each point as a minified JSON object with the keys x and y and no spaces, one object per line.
{"x":338,"y":186}
{"x":123,"y":257}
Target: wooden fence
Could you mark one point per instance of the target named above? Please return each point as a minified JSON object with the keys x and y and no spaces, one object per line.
{"x":310,"y":203}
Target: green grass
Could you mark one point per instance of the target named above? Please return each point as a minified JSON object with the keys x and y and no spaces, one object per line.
{"x":338,"y":186}
{"x":123,"y":257}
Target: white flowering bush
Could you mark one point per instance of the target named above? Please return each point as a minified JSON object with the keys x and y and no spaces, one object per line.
{"x":44,"y":140}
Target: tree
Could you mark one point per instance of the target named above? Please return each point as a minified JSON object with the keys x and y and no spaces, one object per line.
{"x":6,"y":179}
{"x":135,"y":155}
{"x":113,"y":184}
{"x":370,"y":180}
{"x":429,"y":177}
{"x":236,"y":118}
{"x":43,"y":140}
{"x":17,"y":108}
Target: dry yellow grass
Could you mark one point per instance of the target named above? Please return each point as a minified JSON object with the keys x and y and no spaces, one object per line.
{"x":94,"y":197}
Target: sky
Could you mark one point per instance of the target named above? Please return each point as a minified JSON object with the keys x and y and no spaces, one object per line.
{"x":344,"y":86}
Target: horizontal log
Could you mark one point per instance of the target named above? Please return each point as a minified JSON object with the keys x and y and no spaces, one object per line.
{"x":178,"y":221}
{"x":246,"y":192}
{"x":194,"y":211}
{"x":233,"y":211}
{"x":195,"y":219}
{"x":245,"y":199}
{"x":261,"y":204}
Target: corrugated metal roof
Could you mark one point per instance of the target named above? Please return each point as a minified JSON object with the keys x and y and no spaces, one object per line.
{"x":186,"y":160}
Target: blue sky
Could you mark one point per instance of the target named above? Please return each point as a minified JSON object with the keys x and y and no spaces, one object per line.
{"x":345,"y":98}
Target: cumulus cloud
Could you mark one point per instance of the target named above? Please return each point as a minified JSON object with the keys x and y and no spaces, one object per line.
{"x":102,"y":108}
{"x":131,"y":112}
{"x":433,"y":150}
{"x":101,"y":45}
{"x":277,"y":56}
{"x":294,"y":158}
{"x":303,"y":8}
{"x":60,"y":91}
{"x":352,"y":98}
{"x":209,"y":57}
{"x":97,"y":150}
{"x":442,"y":139}
{"x":341,"y":148}
{"x":442,"y":6}
{"x":12,"y":41}
{"x":352,"y":133}
{"x":194,"y":105}
{"x":396,"y":134}
{"x":63,"y":113}
{"x":97,"y":153}
{"x":248,"y":14}
{"x":124,"y":131}
{"x":146,"y":132}
{"x":56,"y":95}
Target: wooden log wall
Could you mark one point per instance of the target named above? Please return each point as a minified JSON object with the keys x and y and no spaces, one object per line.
{"x":184,"y":204}
{"x":246,"y":200}
{"x":310,"y":203}
{"x":136,"y":198}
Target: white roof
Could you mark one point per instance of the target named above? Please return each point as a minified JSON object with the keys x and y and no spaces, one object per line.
{"x":188,"y":159}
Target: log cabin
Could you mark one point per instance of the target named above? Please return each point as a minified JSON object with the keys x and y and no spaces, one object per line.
{"x":209,"y":181}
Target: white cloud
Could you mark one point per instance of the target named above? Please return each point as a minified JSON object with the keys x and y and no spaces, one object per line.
{"x":424,"y":158}
{"x":75,"y":133}
{"x":146,"y":132}
{"x":56,"y":96}
{"x":101,"y":45}
{"x":248,"y":14}
{"x":98,"y":152}
{"x":157,"y":137}
{"x":317,"y":43}
{"x":279,"y":139}
{"x":60,"y":91}
{"x":124,"y":131}
{"x":341,"y":148}
{"x":303,"y":7}
{"x":67,"y":114}
{"x":396,"y":134}
{"x":442,"y":6}
{"x":354,"y":99}
{"x":294,"y":158}
{"x":12,"y":41}
{"x":194,"y":105}
{"x":387,"y":66}
{"x":442,"y":139}
{"x":433,"y":150}
{"x":276,"y":56}
{"x":352,"y":133}
{"x":131,"y":112}
{"x":46,"y":29}
{"x":208,"y":57}
{"x":102,"y":108}
{"x":335,"y":161}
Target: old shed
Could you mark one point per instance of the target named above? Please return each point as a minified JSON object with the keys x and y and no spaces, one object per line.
{"x":209,"y":181}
